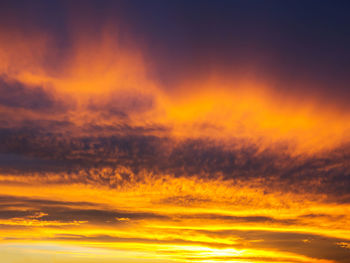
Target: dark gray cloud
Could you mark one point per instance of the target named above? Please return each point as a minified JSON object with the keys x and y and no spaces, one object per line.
{"x":242,"y":219}
{"x":12,"y":207}
{"x":50,"y":210}
{"x":95,"y":216}
{"x":17,"y":95}
{"x":21,"y":201}
{"x":122,"y":104}
{"x":184,"y":200}
{"x":26,"y":151}
{"x":15,"y":162}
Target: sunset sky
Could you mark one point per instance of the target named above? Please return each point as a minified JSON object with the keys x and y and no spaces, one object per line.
{"x":174,"y":131}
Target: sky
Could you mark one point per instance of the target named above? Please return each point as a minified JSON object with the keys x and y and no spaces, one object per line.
{"x":174,"y":131}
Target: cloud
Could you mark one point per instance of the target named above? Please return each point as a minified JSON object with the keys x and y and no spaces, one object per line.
{"x":153,"y":126}
{"x":122,"y":103}
{"x":311,"y":245}
{"x":66,"y":212}
{"x":17,"y":95}
{"x":275,"y":168}
{"x":116,"y":239}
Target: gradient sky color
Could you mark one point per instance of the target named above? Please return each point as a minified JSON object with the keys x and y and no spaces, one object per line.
{"x":174,"y":131}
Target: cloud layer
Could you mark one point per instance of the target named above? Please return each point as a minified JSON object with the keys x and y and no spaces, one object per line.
{"x":174,"y":132}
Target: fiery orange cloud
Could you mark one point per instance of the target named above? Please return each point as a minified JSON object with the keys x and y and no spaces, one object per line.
{"x":102,"y":76}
